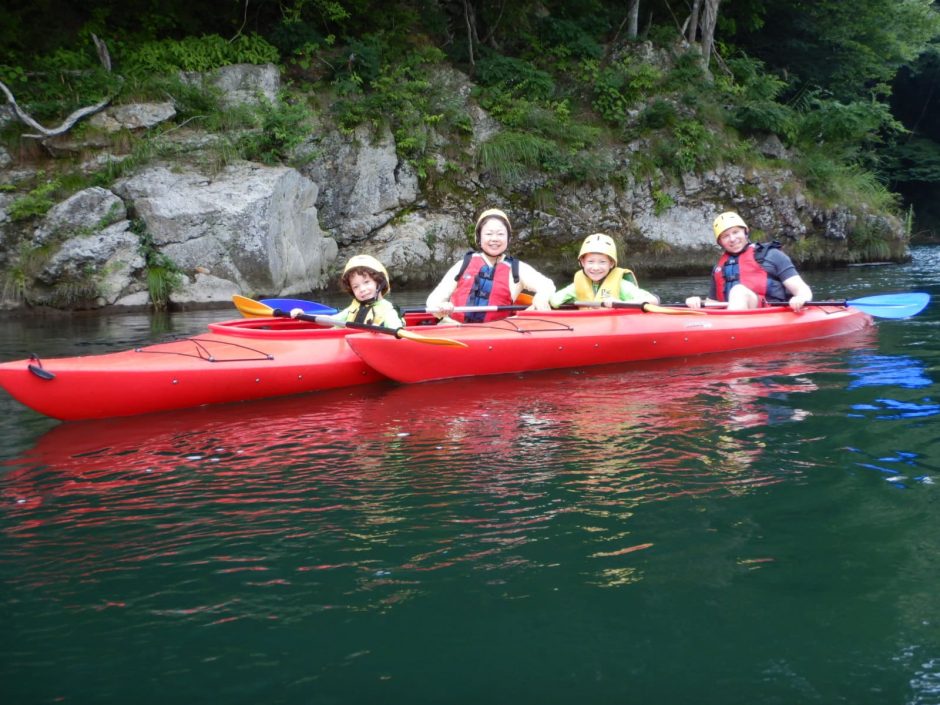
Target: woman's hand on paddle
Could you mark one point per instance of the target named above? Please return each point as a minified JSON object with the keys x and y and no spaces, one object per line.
{"x":540,"y":303}
{"x":694,"y":302}
{"x":295,"y":312}
{"x":443,"y":309}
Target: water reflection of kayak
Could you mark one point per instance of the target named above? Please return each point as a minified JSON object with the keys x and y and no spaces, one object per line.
{"x":235,"y":361}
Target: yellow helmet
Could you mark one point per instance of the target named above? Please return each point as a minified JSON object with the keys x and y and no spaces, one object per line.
{"x":372,"y":264}
{"x":492,"y":213}
{"x":599,"y":244}
{"x":728,"y":220}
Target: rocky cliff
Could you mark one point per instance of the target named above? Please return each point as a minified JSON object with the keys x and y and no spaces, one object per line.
{"x":285,"y":230}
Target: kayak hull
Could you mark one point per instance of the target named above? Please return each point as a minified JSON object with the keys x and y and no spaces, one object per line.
{"x":236,"y":360}
{"x":549,"y":340}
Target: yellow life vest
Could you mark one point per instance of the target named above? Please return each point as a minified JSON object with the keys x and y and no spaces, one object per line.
{"x":374,"y":314}
{"x":609,"y":288}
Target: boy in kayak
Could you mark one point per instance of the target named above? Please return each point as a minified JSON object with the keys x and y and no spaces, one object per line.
{"x":367,"y":280}
{"x":748,"y":275}
{"x":489,"y":277}
{"x":600,"y":279}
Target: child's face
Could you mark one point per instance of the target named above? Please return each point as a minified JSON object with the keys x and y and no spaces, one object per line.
{"x":596,"y":266}
{"x":493,"y":237}
{"x":363,"y":286}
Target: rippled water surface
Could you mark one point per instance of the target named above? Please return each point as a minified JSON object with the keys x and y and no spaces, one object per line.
{"x":748,"y":528}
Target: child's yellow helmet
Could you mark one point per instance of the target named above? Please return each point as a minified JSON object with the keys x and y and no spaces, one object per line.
{"x":728,"y":220}
{"x":371,"y":263}
{"x":599,"y":244}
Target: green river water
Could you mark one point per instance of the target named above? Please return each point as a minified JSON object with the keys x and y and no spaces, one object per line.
{"x":761,"y":527}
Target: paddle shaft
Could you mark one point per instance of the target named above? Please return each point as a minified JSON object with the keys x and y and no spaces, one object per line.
{"x":399,"y":333}
{"x":467,"y":309}
{"x":328,"y":321}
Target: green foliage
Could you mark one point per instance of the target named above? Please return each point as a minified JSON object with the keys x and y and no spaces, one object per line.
{"x":509,"y":156}
{"x":405,"y":97}
{"x":869,"y":241}
{"x":834,"y":182}
{"x":618,"y":87}
{"x":566,"y":38}
{"x":914,"y":159}
{"x":284,"y":126}
{"x":689,"y":148}
{"x":72,"y":291}
{"x":843,"y":126}
{"x":658,"y":114}
{"x":755,"y":93}
{"x":34,"y":204}
{"x":25,"y":265}
{"x":687,"y":72}
{"x":515,"y":77}
{"x":163,"y":276}
{"x":850,"y":49}
{"x":198,"y":54}
{"x":662,"y":202}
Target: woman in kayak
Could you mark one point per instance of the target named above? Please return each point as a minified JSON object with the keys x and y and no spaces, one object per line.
{"x":600,"y":279}
{"x":367,"y":280}
{"x":489,"y":276}
{"x":748,"y":275}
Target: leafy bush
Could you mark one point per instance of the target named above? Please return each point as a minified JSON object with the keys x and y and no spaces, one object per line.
{"x":509,"y":155}
{"x":163,"y":276}
{"x":284,"y":126}
{"x":518,"y":78}
{"x":840,"y":125}
{"x":658,"y":114}
{"x":618,"y":87}
{"x":198,"y":54}
{"x":34,"y":204}
{"x":568,"y":39}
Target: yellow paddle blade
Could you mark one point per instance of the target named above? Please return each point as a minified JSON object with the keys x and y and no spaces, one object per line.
{"x":418,"y":338}
{"x":251,"y":308}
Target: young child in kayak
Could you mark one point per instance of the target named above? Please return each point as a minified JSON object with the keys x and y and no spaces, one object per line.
{"x":489,"y":276}
{"x":367,"y":280}
{"x":600,"y":279}
{"x":748,"y":275}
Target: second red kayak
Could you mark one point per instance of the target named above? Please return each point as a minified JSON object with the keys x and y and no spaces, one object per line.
{"x":236,"y":360}
{"x":546,"y":340}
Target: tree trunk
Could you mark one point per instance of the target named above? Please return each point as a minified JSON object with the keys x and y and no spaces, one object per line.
{"x":709,"y":19}
{"x":693,"y":21}
{"x":633,"y":17}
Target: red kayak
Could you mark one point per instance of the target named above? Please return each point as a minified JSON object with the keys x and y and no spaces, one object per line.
{"x":535,"y":340}
{"x":235,"y":361}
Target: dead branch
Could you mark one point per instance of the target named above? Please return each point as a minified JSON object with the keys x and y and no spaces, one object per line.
{"x":45,"y":132}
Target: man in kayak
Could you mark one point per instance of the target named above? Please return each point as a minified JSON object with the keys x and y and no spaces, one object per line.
{"x":600,"y":279}
{"x":748,"y":275}
{"x":367,"y":280}
{"x":489,"y":276}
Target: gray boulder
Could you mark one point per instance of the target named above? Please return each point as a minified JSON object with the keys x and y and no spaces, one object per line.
{"x":254,"y":226}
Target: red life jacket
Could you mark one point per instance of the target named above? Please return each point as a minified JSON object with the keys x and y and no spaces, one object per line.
{"x":476,"y":290}
{"x":744,"y":268}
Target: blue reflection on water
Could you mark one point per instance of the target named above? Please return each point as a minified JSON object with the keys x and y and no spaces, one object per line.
{"x":899,"y":409}
{"x":893,"y":474}
{"x":888,"y":370}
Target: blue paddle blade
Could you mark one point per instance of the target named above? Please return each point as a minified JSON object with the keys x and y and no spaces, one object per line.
{"x":892,"y":305}
{"x":311,"y":307}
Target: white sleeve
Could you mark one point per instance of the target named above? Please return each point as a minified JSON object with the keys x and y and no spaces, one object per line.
{"x":445,"y":289}
{"x":541,"y":286}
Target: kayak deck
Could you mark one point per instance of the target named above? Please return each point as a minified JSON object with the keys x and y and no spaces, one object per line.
{"x":236,"y":360}
{"x":547,"y":340}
